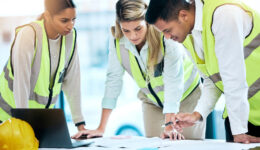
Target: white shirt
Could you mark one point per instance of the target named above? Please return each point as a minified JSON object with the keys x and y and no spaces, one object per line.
{"x":172,"y":75}
{"x":22,"y":57}
{"x":230,"y":26}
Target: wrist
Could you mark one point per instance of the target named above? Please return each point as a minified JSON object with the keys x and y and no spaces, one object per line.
{"x":197,"y":116}
{"x":168,"y":117}
{"x":81,"y":127}
{"x":80,"y":123}
{"x":101,"y":128}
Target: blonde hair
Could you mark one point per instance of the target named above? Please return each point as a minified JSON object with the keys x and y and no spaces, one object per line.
{"x":132,"y":10}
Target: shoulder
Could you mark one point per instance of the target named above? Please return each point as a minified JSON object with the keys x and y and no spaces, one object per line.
{"x":228,"y":11}
{"x":24,"y":42}
{"x":25,"y":36}
{"x":112,"y":40}
{"x":173,"y":49}
{"x":26,"y":30}
{"x":172,"y":45}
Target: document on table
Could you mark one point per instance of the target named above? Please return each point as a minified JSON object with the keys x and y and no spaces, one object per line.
{"x":135,"y":142}
{"x":208,"y":145}
{"x":132,"y":142}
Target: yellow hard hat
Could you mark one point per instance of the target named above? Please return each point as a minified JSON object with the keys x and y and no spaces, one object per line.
{"x":16,"y":134}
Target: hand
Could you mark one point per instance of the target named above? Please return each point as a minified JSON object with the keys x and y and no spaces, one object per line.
{"x":170,"y":130}
{"x":171,"y":117}
{"x":173,"y":135}
{"x":246,"y":139}
{"x":80,"y":134}
{"x":187,"y":119}
{"x":88,"y":134}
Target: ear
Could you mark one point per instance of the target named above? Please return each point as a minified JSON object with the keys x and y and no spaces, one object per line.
{"x":183,"y":15}
{"x":47,"y":15}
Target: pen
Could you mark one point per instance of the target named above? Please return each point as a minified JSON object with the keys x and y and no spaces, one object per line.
{"x":170,"y":123}
{"x":167,"y":124}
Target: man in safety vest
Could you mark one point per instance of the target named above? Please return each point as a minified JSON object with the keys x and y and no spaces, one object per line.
{"x":222,"y":37}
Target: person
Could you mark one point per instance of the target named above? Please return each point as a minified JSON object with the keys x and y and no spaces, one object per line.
{"x":156,"y":65}
{"x":222,"y":37}
{"x":43,"y":61}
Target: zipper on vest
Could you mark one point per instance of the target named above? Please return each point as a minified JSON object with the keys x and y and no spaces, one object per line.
{"x":150,"y":86}
{"x":155,"y":95}
{"x":50,"y":98}
{"x":54,"y":77}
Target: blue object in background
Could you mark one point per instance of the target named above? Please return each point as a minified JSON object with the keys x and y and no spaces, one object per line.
{"x":128,"y":129}
{"x":215,"y":126}
{"x":210,"y":128}
{"x":61,"y":100}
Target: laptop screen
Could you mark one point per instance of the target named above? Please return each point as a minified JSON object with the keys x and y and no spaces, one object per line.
{"x":49,"y":125}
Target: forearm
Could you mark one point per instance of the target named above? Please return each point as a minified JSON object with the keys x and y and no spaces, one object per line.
{"x":104,"y":118}
{"x":209,"y":97}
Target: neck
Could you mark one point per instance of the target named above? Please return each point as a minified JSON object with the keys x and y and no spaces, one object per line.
{"x":51,"y":33}
{"x":139,"y":46}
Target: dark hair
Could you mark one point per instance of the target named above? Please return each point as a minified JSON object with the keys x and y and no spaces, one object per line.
{"x":166,"y":10}
{"x":55,"y":6}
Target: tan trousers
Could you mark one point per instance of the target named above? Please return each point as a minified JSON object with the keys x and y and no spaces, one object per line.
{"x":154,"y":118}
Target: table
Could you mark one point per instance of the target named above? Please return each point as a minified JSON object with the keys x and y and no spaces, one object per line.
{"x":142,"y":143}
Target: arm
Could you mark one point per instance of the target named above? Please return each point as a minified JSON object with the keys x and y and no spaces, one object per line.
{"x":114,"y":78}
{"x":113,"y":88}
{"x":209,"y":97}
{"x":71,"y":87}
{"x":173,"y":79}
{"x":114,"y":83}
{"x":22,"y":57}
{"x":100,"y":130}
{"x":229,"y":51}
{"x":173,"y":76}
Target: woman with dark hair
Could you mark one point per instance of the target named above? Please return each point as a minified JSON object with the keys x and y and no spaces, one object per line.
{"x":43,"y":61}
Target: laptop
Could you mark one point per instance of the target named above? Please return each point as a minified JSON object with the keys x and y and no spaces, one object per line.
{"x":50,"y":127}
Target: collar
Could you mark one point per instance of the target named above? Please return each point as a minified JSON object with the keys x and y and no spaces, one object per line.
{"x":131,"y":47}
{"x":198,"y":16}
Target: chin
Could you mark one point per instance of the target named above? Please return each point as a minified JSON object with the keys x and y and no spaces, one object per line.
{"x":181,"y":40}
{"x":136,"y":43}
{"x":65,"y":33}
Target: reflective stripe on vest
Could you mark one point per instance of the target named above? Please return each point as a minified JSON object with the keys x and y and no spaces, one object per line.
{"x":40,"y":78}
{"x":251,"y":54}
{"x":130,"y":64}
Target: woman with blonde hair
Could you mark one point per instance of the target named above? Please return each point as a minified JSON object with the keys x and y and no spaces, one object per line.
{"x":156,"y":65}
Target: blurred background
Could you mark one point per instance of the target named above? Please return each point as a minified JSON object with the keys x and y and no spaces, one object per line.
{"x":94,"y":19}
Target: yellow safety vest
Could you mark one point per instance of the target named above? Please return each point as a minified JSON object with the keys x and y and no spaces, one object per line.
{"x":43,"y":93}
{"x":251,"y":54}
{"x":154,"y":90}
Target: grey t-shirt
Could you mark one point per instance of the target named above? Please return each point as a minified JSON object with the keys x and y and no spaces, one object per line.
{"x":22,"y":57}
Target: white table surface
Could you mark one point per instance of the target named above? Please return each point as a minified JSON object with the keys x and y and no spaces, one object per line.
{"x":142,"y":143}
